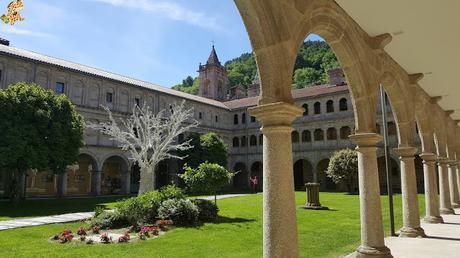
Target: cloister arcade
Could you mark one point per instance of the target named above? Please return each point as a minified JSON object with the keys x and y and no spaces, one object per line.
{"x":276,"y":30}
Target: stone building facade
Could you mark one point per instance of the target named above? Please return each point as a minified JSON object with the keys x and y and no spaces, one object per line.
{"x":103,"y":168}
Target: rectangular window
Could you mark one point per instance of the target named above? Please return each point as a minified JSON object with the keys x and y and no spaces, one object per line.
{"x":217,"y":119}
{"x":109,"y":97}
{"x":253,"y":119}
{"x":200,"y":115}
{"x":60,"y":86}
{"x":138,"y":102}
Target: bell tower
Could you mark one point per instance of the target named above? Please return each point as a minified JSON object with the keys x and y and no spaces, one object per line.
{"x":213,"y":78}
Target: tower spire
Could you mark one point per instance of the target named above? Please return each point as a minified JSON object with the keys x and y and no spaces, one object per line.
{"x":213,"y":59}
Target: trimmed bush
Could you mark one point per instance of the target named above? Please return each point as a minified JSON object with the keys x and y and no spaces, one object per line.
{"x":171,"y":192}
{"x":207,"y":210}
{"x":182,"y":212}
{"x":109,"y":219}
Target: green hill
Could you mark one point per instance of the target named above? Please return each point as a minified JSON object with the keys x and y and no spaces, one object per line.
{"x":313,"y":61}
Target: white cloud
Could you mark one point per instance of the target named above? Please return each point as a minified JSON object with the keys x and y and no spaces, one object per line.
{"x":13,"y":30}
{"x":170,"y":10}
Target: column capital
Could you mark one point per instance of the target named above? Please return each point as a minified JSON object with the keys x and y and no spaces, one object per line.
{"x":426,"y":156}
{"x":366,"y":139}
{"x":276,"y":114}
{"x":443,"y":160}
{"x":405,"y":151}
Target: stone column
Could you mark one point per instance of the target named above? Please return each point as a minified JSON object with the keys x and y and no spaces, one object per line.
{"x":458,"y":177}
{"x":279,"y":210}
{"x":372,"y":237}
{"x":411,"y":216}
{"x":96,"y":181}
{"x":453,"y":187}
{"x":431,"y":189}
{"x":444,"y":192}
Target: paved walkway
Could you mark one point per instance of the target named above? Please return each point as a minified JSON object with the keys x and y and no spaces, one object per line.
{"x":443,"y":241}
{"x":71,"y":217}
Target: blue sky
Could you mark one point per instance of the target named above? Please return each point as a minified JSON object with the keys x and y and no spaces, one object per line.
{"x":160,"y":41}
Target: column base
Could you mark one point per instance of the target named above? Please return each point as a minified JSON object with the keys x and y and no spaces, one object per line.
{"x":371,"y":252}
{"x":411,"y":232}
{"x":446,"y":211}
{"x":433,"y":220}
{"x":455,"y":205}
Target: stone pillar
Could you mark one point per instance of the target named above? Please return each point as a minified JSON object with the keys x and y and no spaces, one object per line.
{"x":431,"y":189}
{"x":313,"y":197}
{"x":61,"y":184}
{"x":96,"y":181}
{"x":411,"y":216}
{"x":453,"y":187}
{"x":279,"y":210}
{"x":458,"y":177}
{"x":444,"y":192}
{"x":372,"y":237}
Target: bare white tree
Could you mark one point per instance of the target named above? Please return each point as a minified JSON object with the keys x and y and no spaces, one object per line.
{"x":150,"y":137}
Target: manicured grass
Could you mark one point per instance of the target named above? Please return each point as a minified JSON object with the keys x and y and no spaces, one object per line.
{"x":239,"y":234}
{"x":46,"y":207}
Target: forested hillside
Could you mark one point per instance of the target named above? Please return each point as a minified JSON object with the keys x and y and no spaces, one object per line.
{"x":313,"y":61}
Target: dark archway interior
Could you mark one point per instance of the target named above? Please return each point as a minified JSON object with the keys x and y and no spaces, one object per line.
{"x":240,"y":180}
{"x":256,"y":170}
{"x":162,"y":177}
{"x":303,"y":173}
{"x":326,"y":184}
{"x":395,"y":175}
{"x":135,"y":178}
{"x":112,"y":171}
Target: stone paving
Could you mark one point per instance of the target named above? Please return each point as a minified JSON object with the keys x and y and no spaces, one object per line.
{"x":443,"y":241}
{"x":71,"y":217}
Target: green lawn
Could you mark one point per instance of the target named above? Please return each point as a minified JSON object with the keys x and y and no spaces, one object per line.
{"x":45,"y":207}
{"x":239,"y":234}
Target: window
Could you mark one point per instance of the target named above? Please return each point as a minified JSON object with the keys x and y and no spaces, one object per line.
{"x":200,"y":115}
{"x":295,"y":137}
{"x":217,"y":119}
{"x":253,"y":119}
{"x":317,"y":108}
{"x":109,"y":97}
{"x":330,"y":106}
{"x":137,"y":101}
{"x":343,"y":104}
{"x":332,"y":134}
{"x":261,"y":139}
{"x":60,"y":86}
{"x":253,"y":140}
{"x":244,"y":141}
{"x":243,"y":118}
{"x":171,"y":109}
{"x":305,"y":107}
{"x":345,"y":132}
{"x":306,"y":136}
{"x":236,"y":142}
{"x":235,"y":119}
{"x":319,"y":135}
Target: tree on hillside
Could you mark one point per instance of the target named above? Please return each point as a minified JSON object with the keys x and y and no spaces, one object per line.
{"x":206,"y":148}
{"x":304,"y":77}
{"x":343,"y":168}
{"x":189,"y":85}
{"x":207,"y":178}
{"x":39,"y":131}
{"x":150,"y":138}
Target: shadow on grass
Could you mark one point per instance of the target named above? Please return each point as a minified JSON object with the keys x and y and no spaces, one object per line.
{"x":47,"y":207}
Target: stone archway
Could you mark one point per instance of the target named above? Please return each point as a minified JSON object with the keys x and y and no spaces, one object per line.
{"x":326,"y":184}
{"x":79,"y":181}
{"x":114,"y":176}
{"x":240,"y":180}
{"x":257,"y":170}
{"x":303,"y":173}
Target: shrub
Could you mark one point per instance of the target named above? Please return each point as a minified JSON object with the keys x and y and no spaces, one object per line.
{"x":181,"y":211}
{"x":343,"y":168}
{"x":207,"y":210}
{"x":109,"y":219}
{"x":171,"y":192}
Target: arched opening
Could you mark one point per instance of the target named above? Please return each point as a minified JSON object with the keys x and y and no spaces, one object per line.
{"x":235,"y":119}
{"x":162,"y":174}
{"x":395,"y":175}
{"x":261,"y":139}
{"x":343,"y":104}
{"x":306,"y":136}
{"x":319,"y":135}
{"x":257,"y":171}
{"x":243,"y":118}
{"x":240,"y":180}
{"x":305,"y":108}
{"x":113,"y":175}
{"x":236,"y":142}
{"x":253,"y":140}
{"x":330,"y":106}
{"x":303,"y":173}
{"x":326,"y":184}
{"x":295,"y":137}
{"x":317,"y":108}
{"x":135,"y":178}
{"x":331,"y":134}
{"x":79,"y":181}
{"x":345,"y":131}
